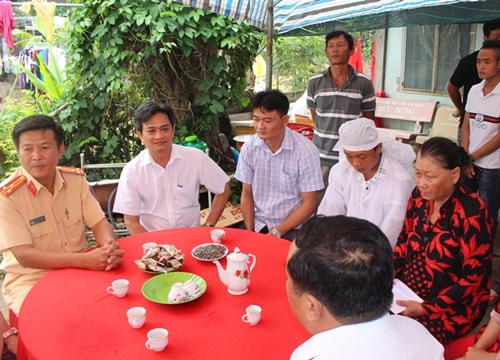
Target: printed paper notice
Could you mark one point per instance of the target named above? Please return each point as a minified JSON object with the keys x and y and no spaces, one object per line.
{"x":402,"y":292}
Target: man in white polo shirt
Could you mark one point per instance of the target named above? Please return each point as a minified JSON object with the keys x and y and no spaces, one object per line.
{"x":481,"y":137}
{"x":480,"y":133}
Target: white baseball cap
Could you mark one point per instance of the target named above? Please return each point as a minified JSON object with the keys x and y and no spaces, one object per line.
{"x":358,"y":135}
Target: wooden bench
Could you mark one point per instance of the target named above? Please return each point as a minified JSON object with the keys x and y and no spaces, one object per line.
{"x":445,"y":125}
{"x":416,"y":112}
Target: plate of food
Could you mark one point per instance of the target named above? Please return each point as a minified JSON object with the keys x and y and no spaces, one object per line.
{"x":161,"y":259}
{"x":209,"y":252}
{"x":157,"y":289}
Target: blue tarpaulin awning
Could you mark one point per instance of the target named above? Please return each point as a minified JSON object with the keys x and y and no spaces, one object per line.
{"x":318,"y":17}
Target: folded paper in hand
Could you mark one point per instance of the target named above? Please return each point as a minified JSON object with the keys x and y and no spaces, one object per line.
{"x":402,"y":292}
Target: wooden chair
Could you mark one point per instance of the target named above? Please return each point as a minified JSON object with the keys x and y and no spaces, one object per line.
{"x":444,"y":125}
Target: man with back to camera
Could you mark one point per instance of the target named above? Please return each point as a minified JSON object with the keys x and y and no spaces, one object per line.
{"x":44,"y":210}
{"x":339,"y":284}
{"x":338,"y":94}
{"x":481,"y":136}
{"x":159,"y":188}
{"x":279,"y":170}
{"x":369,"y":182}
{"x":465,"y":74}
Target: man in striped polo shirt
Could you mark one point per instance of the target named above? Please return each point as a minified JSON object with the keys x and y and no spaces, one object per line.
{"x":337,"y":95}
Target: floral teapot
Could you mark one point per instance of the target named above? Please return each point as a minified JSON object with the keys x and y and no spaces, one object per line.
{"x":237,"y":275}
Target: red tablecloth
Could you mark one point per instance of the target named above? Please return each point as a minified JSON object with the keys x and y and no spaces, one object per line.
{"x":70,"y":315}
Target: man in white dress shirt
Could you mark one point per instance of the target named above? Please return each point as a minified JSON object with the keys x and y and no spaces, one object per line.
{"x":369,"y":182}
{"x":159,"y":188}
{"x":340,"y":275}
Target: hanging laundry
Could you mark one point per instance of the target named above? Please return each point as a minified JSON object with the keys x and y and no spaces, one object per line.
{"x":29,"y":59}
{"x":26,"y":7}
{"x":7,"y":22}
{"x":45,"y":12}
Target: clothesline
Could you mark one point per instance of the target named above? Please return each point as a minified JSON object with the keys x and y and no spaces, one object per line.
{"x":57,"y":4}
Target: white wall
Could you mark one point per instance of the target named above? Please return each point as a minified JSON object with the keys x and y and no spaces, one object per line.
{"x":393,"y":72}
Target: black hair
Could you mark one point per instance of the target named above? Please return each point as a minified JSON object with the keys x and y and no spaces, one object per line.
{"x":445,"y":152}
{"x":493,"y":45}
{"x":346,"y":263}
{"x":150,"y":108}
{"x":489,"y":26}
{"x":38,"y":122}
{"x":271,"y":100}
{"x":337,"y":33}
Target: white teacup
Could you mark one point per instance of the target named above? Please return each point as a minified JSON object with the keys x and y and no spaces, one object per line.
{"x":177,"y":293}
{"x":157,"y":339}
{"x":147,"y":246}
{"x":253,"y":315}
{"x":136,"y":317}
{"x":217,"y":235}
{"x":119,"y":287}
{"x":191,"y":288}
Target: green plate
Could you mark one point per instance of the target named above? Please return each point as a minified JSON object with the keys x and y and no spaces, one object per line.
{"x":158,"y":287}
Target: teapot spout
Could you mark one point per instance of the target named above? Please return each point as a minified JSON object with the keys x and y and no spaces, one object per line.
{"x":222,"y":273}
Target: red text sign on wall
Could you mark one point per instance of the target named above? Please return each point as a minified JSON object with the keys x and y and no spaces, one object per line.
{"x":421,"y":111}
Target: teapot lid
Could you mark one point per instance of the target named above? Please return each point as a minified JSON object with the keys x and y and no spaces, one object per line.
{"x":237,"y":255}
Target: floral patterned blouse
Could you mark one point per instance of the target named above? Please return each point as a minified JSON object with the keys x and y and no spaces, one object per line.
{"x":448,"y":263}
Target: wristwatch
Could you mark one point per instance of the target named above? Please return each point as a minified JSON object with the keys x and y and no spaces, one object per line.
{"x":276,"y":233}
{"x":208,"y":224}
{"x":11,"y":331}
{"x":471,"y":158}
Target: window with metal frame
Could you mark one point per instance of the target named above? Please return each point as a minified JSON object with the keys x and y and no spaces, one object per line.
{"x":432,"y":52}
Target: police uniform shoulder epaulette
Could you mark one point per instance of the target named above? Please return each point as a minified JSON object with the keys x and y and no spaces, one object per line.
{"x":13,"y":185}
{"x":71,"y":170}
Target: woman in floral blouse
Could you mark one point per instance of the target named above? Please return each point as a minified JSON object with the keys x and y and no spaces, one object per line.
{"x":444,"y":251}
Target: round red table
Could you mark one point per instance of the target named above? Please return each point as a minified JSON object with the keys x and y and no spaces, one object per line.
{"x":70,"y":315}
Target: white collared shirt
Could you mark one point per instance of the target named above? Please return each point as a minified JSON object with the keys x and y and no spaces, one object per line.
{"x":484,"y":122}
{"x":381,"y":200}
{"x":166,"y":198}
{"x":391,"y":337}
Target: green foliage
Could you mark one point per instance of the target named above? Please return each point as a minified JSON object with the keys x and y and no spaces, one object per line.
{"x":123,"y":52}
{"x":53,"y":77}
{"x":31,"y":103}
{"x":296,"y":59}
{"x":13,"y":112}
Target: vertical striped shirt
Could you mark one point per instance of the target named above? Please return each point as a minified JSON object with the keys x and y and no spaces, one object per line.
{"x":279,"y":178}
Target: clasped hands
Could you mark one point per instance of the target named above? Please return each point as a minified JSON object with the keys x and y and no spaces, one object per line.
{"x":108,"y":256}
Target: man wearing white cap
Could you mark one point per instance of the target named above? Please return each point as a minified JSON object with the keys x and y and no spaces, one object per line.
{"x":370,"y":182}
